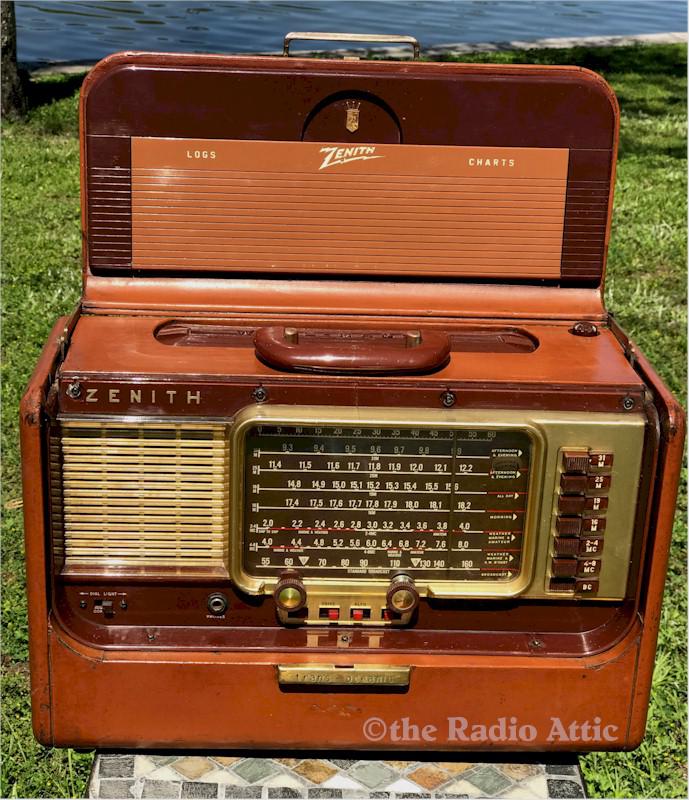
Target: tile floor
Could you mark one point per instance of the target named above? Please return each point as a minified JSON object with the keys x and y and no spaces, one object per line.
{"x":119,"y":776}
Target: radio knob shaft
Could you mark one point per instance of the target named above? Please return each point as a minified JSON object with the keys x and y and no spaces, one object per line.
{"x":290,"y":593}
{"x":402,"y":597}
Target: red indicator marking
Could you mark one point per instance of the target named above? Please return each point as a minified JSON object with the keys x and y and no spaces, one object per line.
{"x":333,"y":613}
{"x":357,"y":613}
{"x":502,"y":569}
{"x":306,"y":528}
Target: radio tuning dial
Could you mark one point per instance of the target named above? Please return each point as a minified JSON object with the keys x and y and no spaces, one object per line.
{"x":402,"y":597}
{"x":290,"y":594}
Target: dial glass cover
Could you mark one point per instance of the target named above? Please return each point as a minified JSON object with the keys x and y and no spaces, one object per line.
{"x":342,"y":501}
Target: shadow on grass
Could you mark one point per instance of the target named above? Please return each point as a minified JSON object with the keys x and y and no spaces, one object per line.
{"x":666,"y":63}
{"x":630,"y":146}
{"x":43,"y":92}
{"x":53,"y":104}
{"x":656,"y":59}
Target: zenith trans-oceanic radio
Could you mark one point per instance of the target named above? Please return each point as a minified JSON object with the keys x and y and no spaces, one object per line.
{"x":341,"y":447}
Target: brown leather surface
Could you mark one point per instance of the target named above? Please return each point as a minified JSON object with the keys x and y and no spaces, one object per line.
{"x":108,"y":345}
{"x":37,"y":557}
{"x":391,"y":356}
{"x":237,"y":701}
{"x":257,"y":295}
{"x":673,"y":424}
{"x":190,"y":332}
{"x":450,"y":105}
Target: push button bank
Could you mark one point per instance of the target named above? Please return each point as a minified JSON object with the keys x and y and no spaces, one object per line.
{"x":341,"y":425}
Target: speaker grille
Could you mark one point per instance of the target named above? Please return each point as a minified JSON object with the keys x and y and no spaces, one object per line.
{"x":149,"y":496}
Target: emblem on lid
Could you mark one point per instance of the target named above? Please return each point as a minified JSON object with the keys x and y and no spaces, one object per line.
{"x":352,"y":122}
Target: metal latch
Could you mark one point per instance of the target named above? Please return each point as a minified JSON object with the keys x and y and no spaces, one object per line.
{"x":385,"y":38}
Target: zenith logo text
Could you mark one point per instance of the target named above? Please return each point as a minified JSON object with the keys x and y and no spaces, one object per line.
{"x":343,"y":155}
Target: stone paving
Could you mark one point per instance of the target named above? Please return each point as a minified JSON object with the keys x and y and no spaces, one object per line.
{"x":224,"y":777}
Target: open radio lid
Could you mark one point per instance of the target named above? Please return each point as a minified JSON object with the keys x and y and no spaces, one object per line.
{"x":209,"y":166}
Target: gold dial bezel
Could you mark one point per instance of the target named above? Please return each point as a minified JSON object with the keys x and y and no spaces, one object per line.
{"x":385,"y":417}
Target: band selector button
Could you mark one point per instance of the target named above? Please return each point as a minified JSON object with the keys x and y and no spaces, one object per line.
{"x":568,"y":526}
{"x":567,"y":585}
{"x":573,"y":461}
{"x":567,"y":546}
{"x":574,"y":484}
{"x":564,"y":567}
{"x":579,"y":526}
{"x":571,"y":504}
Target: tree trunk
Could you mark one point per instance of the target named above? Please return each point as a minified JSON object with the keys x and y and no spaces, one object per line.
{"x":14,"y":101}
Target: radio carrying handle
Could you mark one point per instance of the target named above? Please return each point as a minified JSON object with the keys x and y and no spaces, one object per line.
{"x":351,"y":37}
{"x":412,"y":353}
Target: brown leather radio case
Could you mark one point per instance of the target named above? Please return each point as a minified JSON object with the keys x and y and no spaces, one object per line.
{"x":345,"y":316}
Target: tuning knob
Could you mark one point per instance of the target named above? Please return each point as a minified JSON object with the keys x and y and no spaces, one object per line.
{"x":402,"y":597}
{"x":289,"y":593}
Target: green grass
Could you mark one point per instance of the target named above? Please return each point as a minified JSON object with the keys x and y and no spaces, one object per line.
{"x":646,"y":288}
{"x":40,"y":252}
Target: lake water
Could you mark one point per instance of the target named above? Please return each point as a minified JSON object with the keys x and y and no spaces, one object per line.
{"x":86,"y":31}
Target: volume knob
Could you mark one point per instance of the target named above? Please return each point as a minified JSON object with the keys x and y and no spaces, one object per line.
{"x":402,"y":597}
{"x":289,"y":593}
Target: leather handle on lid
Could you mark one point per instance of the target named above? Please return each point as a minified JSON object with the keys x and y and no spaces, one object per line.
{"x":399,"y":353}
{"x":351,"y":37}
